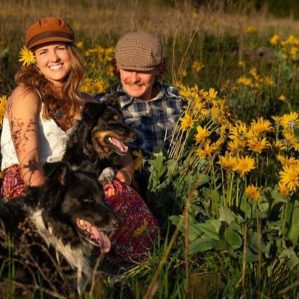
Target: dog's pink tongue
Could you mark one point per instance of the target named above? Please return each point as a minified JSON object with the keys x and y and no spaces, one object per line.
{"x":122,"y":147}
{"x":102,"y":239}
{"x":96,"y":234}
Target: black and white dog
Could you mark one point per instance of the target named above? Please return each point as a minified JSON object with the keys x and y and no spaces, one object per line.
{"x":66,"y":215}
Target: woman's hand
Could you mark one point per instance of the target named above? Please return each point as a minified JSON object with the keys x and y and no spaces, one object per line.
{"x":125,"y":175}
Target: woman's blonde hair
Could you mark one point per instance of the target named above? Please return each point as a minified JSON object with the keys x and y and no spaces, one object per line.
{"x":69,"y":106}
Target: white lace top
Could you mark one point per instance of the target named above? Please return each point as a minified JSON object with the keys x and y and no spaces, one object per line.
{"x":52,"y":142}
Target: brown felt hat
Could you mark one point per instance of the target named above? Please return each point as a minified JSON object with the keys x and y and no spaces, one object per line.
{"x":48,"y":29}
{"x":138,"y":51}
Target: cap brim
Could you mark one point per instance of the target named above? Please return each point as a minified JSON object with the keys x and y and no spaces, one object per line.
{"x":48,"y":40}
{"x":136,"y":68}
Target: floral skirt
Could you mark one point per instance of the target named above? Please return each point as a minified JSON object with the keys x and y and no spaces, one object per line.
{"x":12,"y":185}
{"x":135,"y":237}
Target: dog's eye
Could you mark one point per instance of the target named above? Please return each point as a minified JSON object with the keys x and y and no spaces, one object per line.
{"x":113,"y":121}
{"x":88,"y":200}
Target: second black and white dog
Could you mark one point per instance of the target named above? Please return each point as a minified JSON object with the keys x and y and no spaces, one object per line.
{"x":66,"y":215}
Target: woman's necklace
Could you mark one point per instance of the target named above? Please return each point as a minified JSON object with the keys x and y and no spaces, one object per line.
{"x":58,"y":113}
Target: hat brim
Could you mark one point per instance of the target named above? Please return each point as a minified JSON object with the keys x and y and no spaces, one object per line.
{"x":48,"y":40}
{"x":136,"y":68}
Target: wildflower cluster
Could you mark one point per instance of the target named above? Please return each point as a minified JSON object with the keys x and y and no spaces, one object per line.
{"x":289,"y":46}
{"x":254,"y":81}
{"x":242,"y":150}
{"x":99,"y":66}
{"x":206,"y":119}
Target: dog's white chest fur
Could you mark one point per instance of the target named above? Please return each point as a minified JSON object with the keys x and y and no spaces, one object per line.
{"x":74,"y":256}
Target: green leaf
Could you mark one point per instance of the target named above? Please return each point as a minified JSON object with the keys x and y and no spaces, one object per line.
{"x":201,"y":245}
{"x":211,"y":229}
{"x":255,"y":242}
{"x":294,"y":224}
{"x":232,"y":238}
{"x":278,"y":198}
{"x":251,"y":256}
{"x":194,"y":230}
{"x":226,"y":215}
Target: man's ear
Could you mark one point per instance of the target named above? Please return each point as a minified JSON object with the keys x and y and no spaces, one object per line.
{"x":160,"y":69}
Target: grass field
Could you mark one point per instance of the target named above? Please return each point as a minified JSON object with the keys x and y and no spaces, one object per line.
{"x":228,"y":192}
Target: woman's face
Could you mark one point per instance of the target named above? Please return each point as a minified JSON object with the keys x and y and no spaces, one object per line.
{"x":54,"y":61}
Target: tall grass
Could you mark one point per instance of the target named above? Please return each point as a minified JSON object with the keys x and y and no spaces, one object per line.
{"x":219,"y":244}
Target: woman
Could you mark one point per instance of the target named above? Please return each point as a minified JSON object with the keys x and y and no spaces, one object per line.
{"x":43,"y":108}
{"x":42,"y":112}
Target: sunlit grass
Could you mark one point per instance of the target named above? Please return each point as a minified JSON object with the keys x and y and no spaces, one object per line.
{"x":232,"y":173}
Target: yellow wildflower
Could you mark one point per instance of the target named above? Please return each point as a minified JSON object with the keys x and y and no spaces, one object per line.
{"x":182,"y":72}
{"x":235,"y":145}
{"x":243,"y":80}
{"x":244,"y":165}
{"x":26,"y":57}
{"x":278,"y":145}
{"x":290,"y":121}
{"x":294,"y":53}
{"x":238,"y":131}
{"x":268,"y":81}
{"x":241,"y":63}
{"x":186,"y":122}
{"x":251,"y":29}
{"x":287,"y":161}
{"x":202,"y":134}
{"x":257,"y":145}
{"x":188,"y":93}
{"x":253,"y":72}
{"x":289,"y":177}
{"x":283,"y":190}
{"x":3,"y":102}
{"x":274,"y":39}
{"x":282,"y":98}
{"x":228,"y":161}
{"x":253,"y":192}
{"x":197,"y":66}
{"x":290,"y":137}
{"x":212,"y":93}
{"x":80,"y":45}
{"x":206,"y":151}
{"x":261,"y":125}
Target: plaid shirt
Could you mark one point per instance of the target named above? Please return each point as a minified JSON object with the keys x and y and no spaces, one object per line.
{"x":153,"y":120}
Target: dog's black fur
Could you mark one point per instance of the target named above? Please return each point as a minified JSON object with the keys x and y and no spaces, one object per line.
{"x":90,"y":146}
{"x":46,"y":219}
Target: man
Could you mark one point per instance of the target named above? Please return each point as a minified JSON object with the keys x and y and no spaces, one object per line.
{"x":149,"y":107}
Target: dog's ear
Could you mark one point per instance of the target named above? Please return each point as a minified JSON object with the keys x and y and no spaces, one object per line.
{"x":112,"y":99}
{"x":58,"y":171}
{"x":92,"y":110}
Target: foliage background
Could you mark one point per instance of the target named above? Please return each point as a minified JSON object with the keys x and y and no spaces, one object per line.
{"x":246,"y":53}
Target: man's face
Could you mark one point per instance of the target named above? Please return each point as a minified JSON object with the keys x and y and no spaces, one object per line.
{"x":139,"y":84}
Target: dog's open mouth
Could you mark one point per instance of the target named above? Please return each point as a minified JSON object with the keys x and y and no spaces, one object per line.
{"x":94,"y":235}
{"x":118,"y":146}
